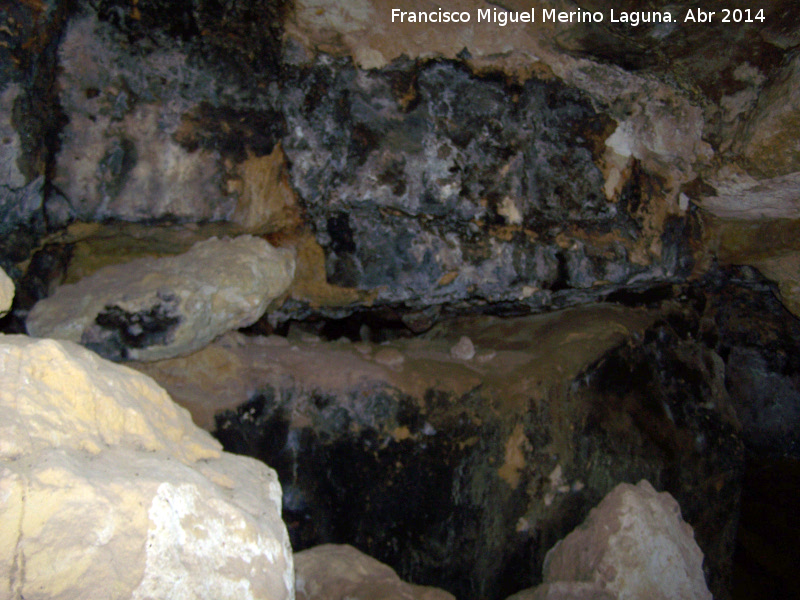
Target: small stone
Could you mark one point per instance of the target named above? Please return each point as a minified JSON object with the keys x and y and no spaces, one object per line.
{"x":485,"y":357}
{"x":464,"y":349}
{"x":390,"y":357}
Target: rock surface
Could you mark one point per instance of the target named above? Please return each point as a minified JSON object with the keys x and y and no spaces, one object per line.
{"x":110,"y":490}
{"x":151,"y":309}
{"x":636,"y":545}
{"x":6,"y":293}
{"x":454,"y":471}
{"x":430,"y":201}
{"x":340,"y":572}
{"x":565,"y":590}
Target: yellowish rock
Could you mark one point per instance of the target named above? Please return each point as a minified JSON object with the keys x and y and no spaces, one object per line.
{"x":58,"y":394}
{"x":110,"y":491}
{"x":6,"y":292}
{"x":785,"y":271}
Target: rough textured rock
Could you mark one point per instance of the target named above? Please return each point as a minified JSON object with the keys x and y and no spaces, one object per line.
{"x":759,"y":340}
{"x":636,"y":545}
{"x":6,"y":293}
{"x":430,"y":201}
{"x":158,"y":308}
{"x":110,"y":490}
{"x":156,"y":109}
{"x":340,"y":572}
{"x":455,"y":472}
{"x":769,"y":138}
{"x":785,"y":271}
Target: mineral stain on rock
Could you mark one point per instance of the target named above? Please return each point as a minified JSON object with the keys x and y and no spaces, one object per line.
{"x":402,"y":194}
{"x":115,"y":330}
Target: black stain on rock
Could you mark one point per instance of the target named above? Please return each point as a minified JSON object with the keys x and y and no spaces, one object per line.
{"x":115,"y":330}
{"x":234,"y":133}
{"x":115,"y":166}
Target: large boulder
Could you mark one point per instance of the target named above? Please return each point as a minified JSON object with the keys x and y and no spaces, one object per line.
{"x":150,"y":309}
{"x":634,"y":544}
{"x":109,"y":490}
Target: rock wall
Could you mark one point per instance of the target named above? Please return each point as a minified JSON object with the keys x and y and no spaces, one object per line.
{"x":456,"y":467}
{"x":420,"y":174}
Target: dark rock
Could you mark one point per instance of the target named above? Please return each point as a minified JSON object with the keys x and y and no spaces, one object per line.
{"x":459,"y":484}
{"x":759,"y":340}
{"x":439,"y":199}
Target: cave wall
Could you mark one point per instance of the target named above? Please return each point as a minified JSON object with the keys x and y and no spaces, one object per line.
{"x":423,"y":173}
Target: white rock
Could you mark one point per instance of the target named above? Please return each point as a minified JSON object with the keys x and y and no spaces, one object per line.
{"x":6,"y":292}
{"x":118,"y":156}
{"x":634,"y":544}
{"x":109,"y":491}
{"x":151,"y":309}
{"x":464,"y":349}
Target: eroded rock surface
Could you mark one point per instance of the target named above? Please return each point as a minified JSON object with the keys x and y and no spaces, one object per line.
{"x":158,"y":308}
{"x":339,"y":572}
{"x":636,"y":545}
{"x":430,"y":200}
{"x":110,"y":490}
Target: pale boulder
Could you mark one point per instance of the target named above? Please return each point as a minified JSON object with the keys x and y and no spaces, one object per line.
{"x":108,"y":489}
{"x":340,"y":572}
{"x":635,"y":545}
{"x":784,"y":270}
{"x":6,"y":292}
{"x":156,"y":308}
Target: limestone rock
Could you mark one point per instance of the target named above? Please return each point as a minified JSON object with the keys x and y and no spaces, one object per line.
{"x":770,"y":138}
{"x":6,"y":292}
{"x":435,"y":203}
{"x":464,"y":349}
{"x":10,"y":150}
{"x":636,"y":545}
{"x":785,"y":271}
{"x":340,"y":572}
{"x":151,"y":309}
{"x":110,"y":491}
{"x":56,"y":394}
{"x":565,"y":590}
